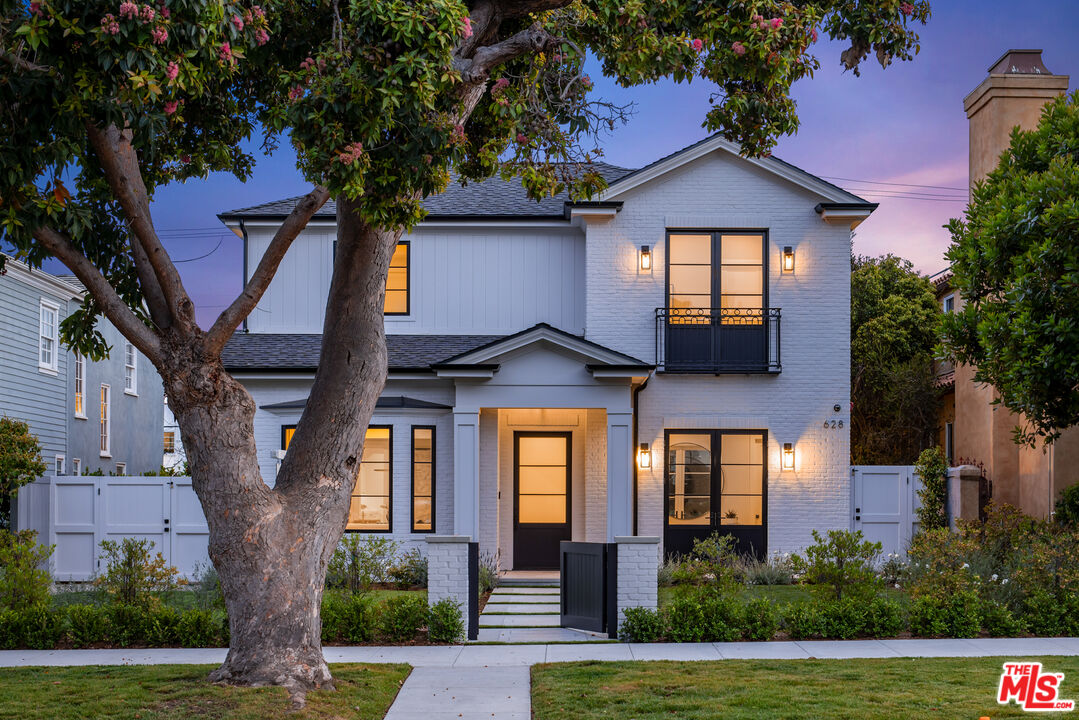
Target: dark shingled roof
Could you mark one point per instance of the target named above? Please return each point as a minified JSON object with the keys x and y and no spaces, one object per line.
{"x":296,"y":352}
{"x":494,"y":197}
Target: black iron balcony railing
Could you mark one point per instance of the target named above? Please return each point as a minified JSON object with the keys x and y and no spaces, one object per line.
{"x":717,"y":340}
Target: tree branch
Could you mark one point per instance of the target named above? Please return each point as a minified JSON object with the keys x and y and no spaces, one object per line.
{"x":533,"y":39}
{"x":151,"y":288}
{"x":115,"y":309}
{"x":120,"y":163}
{"x":260,"y":279}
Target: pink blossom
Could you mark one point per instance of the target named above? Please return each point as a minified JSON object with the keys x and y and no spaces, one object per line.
{"x":466,"y":23}
{"x":225,"y":52}
{"x":238,"y":22}
{"x":160,"y":35}
{"x":458,"y":134}
{"x":147,"y":14}
{"x":262,"y":37}
{"x":350,"y":154}
{"x":257,"y":12}
{"x":907,"y":8}
{"x":185,"y":159}
{"x":586,"y":81}
{"x":813,"y":34}
{"x":35,"y":9}
{"x":500,"y":85}
{"x":697,"y":44}
{"x":164,"y":12}
{"x":522,"y":139}
{"x":170,"y":107}
{"x":109,"y":25}
{"x":738,"y":48}
{"x":307,"y":63}
{"x":171,"y":71}
{"x":295,"y":92}
{"x":777,"y":23}
{"x":129,"y":10}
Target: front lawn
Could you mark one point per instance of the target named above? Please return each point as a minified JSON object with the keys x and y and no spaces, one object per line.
{"x":163,"y":692}
{"x":754,"y":689}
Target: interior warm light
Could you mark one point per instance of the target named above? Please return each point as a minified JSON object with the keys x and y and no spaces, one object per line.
{"x":644,"y":456}
{"x":788,"y":456}
{"x":788,"y":259}
{"x":646,"y":258}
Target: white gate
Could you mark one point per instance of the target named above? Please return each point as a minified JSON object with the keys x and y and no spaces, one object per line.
{"x":75,"y":513}
{"x":884,"y":499}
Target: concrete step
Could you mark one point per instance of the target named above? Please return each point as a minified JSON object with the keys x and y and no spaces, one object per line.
{"x":537,"y":635}
{"x":521,"y":608}
{"x":501,"y":590}
{"x":534,"y":621}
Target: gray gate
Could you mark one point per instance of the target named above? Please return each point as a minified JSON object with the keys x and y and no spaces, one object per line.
{"x":589,"y":586}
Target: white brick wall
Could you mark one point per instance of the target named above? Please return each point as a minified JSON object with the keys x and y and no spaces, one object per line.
{"x":723,"y":192}
{"x":638,"y":563}
{"x":447,"y":571}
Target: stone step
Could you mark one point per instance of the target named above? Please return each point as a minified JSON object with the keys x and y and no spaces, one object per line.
{"x":535,"y":621}
{"x":537,"y":635}
{"x":521,"y":608}
{"x":525,"y":591}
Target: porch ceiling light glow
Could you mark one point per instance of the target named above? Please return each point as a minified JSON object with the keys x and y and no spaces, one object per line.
{"x":644,"y":456}
{"x":788,"y":456}
{"x":646,"y":258}
{"x":788,"y":259}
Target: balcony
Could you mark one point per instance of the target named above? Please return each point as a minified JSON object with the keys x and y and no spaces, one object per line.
{"x":717,"y":340}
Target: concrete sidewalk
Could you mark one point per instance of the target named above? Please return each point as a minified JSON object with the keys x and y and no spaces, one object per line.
{"x":475,"y":656}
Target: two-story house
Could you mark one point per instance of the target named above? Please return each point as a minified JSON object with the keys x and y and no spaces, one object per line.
{"x":671,"y":359}
{"x":88,"y":416}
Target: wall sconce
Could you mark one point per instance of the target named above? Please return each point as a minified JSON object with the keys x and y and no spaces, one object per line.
{"x":644,"y":456}
{"x":788,"y":456}
{"x":646,"y":258}
{"x":788,"y":259}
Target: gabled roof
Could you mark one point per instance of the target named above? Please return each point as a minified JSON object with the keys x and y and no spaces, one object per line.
{"x":827,"y":191}
{"x":490,"y":199}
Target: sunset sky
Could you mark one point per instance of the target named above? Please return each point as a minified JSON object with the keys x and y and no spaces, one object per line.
{"x":883,"y":135}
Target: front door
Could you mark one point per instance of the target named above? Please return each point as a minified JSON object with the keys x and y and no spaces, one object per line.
{"x":716,"y":482}
{"x":541,"y":498}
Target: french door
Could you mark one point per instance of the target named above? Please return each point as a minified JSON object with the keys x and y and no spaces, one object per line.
{"x":541,"y":498}
{"x":716,"y":481}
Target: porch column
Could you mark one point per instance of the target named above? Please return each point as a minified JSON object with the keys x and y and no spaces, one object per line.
{"x":466,"y":474}
{"x":619,"y":474}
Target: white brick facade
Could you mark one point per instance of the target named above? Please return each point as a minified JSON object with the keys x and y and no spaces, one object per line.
{"x":638,"y":563}
{"x":447,"y":571}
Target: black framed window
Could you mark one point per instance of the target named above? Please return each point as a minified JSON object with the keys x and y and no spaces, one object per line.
{"x":716,"y":270}
{"x":715,"y":478}
{"x":423,"y":478}
{"x":398,"y":281}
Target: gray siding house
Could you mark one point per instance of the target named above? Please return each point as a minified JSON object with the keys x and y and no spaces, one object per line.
{"x":88,"y":416}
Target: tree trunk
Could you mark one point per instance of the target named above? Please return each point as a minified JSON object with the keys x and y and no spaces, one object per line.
{"x":271,"y":546}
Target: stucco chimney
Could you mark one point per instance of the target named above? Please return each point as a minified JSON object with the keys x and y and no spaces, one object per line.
{"x":1018,"y":86}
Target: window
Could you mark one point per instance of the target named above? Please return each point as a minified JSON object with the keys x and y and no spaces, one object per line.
{"x":373,"y":494}
{"x":58,"y":466}
{"x":716,"y":271}
{"x":121,"y":468}
{"x":76,"y":466}
{"x":706,"y":490}
{"x":948,"y":304}
{"x":47,"y":331}
{"x":423,"y":479}
{"x":949,"y":441}
{"x":80,"y":386}
{"x":106,"y":422}
{"x":170,"y":442}
{"x":397,"y":296}
{"x":131,"y":377}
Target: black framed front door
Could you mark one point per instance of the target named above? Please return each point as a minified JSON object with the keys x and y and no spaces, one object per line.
{"x":716,"y":481}
{"x":541,"y":498}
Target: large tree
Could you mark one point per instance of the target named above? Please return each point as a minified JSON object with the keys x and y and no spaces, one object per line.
{"x":101,"y":103}
{"x":1015,"y":263}
{"x":893,"y":321}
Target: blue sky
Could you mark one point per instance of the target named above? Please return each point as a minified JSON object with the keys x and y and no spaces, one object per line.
{"x":901,"y":125}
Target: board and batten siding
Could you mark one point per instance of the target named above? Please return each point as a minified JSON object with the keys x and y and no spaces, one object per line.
{"x":469,"y":280}
{"x":26,"y":393}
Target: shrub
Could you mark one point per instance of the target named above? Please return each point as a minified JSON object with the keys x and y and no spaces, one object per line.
{"x":1067,"y":507}
{"x":410,"y":570}
{"x":803,"y":621}
{"x":714,"y":561}
{"x":840,"y":566}
{"x":132,"y":576}
{"x":957,"y":615}
{"x":774,"y":570}
{"x":24,"y":582}
{"x":845,"y":619}
{"x":361,"y":561}
{"x":42,"y":627}
{"x":666,"y":573}
{"x":198,"y":628}
{"x":349,"y":618}
{"x":207,"y":586}
{"x":444,"y":622}
{"x":883,"y":618}
{"x":893,"y":570}
{"x":683,"y":618}
{"x":760,"y":619}
{"x":488,"y":572}
{"x":20,"y":462}
{"x":999,"y":621}
{"x":403,"y":616}
{"x":128,"y":624}
{"x":87,"y":625}
{"x":641,"y":625}
{"x":162,"y":626}
{"x":932,"y":468}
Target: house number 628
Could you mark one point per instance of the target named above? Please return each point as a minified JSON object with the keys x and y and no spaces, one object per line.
{"x":832,"y":424}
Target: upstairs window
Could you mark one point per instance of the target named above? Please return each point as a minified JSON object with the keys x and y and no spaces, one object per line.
{"x":716,"y":276}
{"x":131,"y":377}
{"x":106,"y":421}
{"x":397,"y":287}
{"x":121,"y":468}
{"x":948,"y":304}
{"x":76,"y":466}
{"x":47,"y":332}
{"x":170,"y":442}
{"x":58,"y":466}
{"x":80,"y":386}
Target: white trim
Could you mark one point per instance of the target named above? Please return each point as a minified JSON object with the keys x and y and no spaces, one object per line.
{"x":481,"y":373}
{"x":76,"y":466}
{"x":133,"y":367}
{"x":58,"y":466}
{"x":121,"y":468}
{"x":51,"y":367}
{"x":566,"y":342}
{"x":41,"y":280}
{"x":945,"y":299}
{"x":855,"y":217}
{"x":105,"y":418}
{"x":799,"y":177}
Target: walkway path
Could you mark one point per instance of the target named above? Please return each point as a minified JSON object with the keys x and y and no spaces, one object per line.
{"x":527,"y":612}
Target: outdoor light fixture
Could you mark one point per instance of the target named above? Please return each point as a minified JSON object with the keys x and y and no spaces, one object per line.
{"x":788,"y":456}
{"x":646,"y":259}
{"x":788,"y":259}
{"x":644,"y":456}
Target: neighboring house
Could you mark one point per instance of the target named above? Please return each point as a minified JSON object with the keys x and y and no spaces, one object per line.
{"x":669,"y":359}
{"x":88,"y":416}
{"x":975,"y":430}
{"x":174,"y":456}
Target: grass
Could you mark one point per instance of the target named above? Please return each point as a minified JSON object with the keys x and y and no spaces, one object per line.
{"x":958,"y":688}
{"x":162,"y":692}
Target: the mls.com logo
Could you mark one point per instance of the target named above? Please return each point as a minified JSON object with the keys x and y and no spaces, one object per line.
{"x":1032,"y":689}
